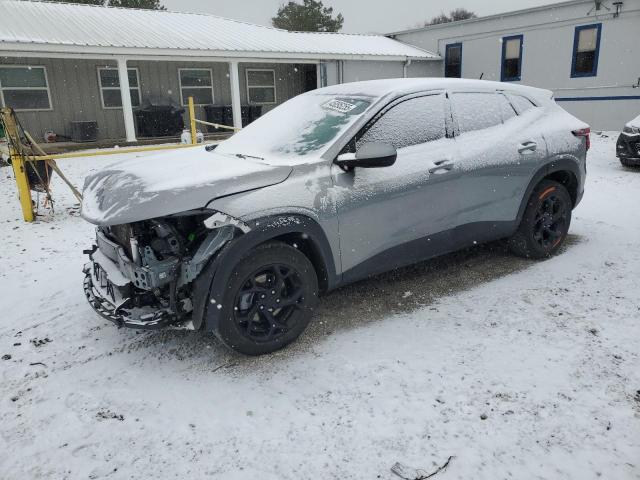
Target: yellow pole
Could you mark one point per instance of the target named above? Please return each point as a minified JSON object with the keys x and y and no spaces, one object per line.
{"x":192,"y":118}
{"x":103,"y":153}
{"x":18,"y":164}
{"x":22,"y":181}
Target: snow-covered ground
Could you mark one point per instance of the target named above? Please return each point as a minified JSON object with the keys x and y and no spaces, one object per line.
{"x":518,"y":369}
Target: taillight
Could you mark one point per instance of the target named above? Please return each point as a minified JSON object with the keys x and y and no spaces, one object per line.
{"x":584,"y":132}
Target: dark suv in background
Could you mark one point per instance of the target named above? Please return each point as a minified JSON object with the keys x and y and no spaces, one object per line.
{"x":628,"y":146}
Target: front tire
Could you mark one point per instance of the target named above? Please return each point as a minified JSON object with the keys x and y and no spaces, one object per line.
{"x":269,"y":300}
{"x":630,"y":163}
{"x":545,"y":222}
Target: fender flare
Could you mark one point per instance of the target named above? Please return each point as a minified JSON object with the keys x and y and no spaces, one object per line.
{"x":566,"y":164}
{"x":213,"y":280}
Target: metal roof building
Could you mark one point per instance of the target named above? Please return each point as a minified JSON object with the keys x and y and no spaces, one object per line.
{"x":71,"y":53}
{"x":586,"y":51}
{"x":67,"y":28}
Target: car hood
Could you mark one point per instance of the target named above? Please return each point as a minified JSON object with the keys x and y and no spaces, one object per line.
{"x":171,"y":182}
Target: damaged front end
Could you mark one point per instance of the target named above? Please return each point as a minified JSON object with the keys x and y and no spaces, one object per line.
{"x":140,"y":275}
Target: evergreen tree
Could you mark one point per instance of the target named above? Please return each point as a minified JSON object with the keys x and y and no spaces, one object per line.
{"x":310,"y":16}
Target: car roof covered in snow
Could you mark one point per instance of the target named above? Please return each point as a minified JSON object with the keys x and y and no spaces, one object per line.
{"x":379,"y":88}
{"x":69,"y":28}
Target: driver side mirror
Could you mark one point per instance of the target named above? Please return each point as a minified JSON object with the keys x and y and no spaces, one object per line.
{"x":369,"y":155}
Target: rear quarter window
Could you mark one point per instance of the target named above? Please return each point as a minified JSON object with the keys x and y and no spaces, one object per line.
{"x":508,"y":111}
{"x":520,"y":103}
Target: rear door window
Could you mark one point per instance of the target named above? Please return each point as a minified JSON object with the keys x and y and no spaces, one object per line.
{"x":476,"y":111}
{"x":410,"y":122}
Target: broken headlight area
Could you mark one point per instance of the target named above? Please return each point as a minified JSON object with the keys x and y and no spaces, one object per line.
{"x":140,"y":274}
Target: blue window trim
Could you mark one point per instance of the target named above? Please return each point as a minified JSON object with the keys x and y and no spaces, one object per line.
{"x":576,"y":36}
{"x":595,"y":99}
{"x":518,"y":77}
{"x":446,"y":56}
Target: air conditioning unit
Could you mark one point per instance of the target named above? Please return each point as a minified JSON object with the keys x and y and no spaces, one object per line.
{"x":84,"y":131}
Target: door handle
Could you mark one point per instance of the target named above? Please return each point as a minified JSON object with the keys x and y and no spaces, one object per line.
{"x":441,"y":166}
{"x":527,"y":147}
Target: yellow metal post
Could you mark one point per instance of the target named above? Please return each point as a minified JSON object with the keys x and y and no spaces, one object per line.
{"x":18,"y":163}
{"x":192,"y":119}
{"x":24,"y":190}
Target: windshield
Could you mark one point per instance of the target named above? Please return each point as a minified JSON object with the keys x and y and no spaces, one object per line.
{"x":304,"y":125}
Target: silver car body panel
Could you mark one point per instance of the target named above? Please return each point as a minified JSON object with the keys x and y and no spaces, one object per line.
{"x":364,"y":212}
{"x":171,"y":182}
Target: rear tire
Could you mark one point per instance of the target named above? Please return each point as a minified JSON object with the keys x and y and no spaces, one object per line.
{"x":269,"y":301}
{"x":545,"y":222}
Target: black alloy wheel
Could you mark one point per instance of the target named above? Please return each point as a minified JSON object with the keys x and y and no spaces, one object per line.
{"x":265,"y":303}
{"x":551,"y":219}
{"x":269,"y":299}
{"x":545,"y":223}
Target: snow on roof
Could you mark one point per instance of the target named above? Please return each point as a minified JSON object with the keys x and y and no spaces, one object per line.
{"x":386,"y":86}
{"x":524,"y":11}
{"x":69,"y":28}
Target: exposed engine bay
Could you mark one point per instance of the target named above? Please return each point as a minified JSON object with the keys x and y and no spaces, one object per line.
{"x":140,"y":274}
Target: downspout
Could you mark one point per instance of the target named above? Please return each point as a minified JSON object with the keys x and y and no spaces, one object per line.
{"x":405,"y":68}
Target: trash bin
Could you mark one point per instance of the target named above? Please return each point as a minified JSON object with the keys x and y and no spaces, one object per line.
{"x":159,"y":117}
{"x":255,"y":112}
{"x":219,"y":114}
{"x":223,"y":115}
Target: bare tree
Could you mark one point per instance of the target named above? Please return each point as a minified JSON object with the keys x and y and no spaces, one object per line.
{"x":454,"y":16}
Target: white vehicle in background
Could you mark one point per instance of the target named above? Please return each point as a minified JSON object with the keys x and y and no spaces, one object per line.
{"x":628,"y":146}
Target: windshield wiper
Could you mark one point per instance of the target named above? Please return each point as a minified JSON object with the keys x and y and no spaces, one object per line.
{"x":244,"y":157}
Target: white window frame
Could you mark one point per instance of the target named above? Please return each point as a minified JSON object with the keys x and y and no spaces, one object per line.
{"x":249,"y":87}
{"x":184,"y":101}
{"x":102,"y":89}
{"x":47,"y":88}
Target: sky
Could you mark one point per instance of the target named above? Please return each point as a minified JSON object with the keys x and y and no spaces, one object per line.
{"x":361,"y":16}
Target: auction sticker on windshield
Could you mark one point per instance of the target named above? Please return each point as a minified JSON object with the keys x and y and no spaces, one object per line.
{"x":339,"y":106}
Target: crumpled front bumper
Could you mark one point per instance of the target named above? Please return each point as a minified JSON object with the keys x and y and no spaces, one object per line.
{"x":111,"y":302}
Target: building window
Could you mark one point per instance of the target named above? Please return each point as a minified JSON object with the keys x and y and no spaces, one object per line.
{"x":109,"y":82}
{"x":24,"y":88}
{"x":261,"y":86}
{"x":511,"y":58}
{"x":196,"y":83}
{"x":586,"y":48}
{"x":453,"y":60}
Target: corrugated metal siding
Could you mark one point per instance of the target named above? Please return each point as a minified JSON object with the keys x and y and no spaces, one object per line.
{"x":75,"y":92}
{"x":90,"y":26}
{"x":74,"y":96}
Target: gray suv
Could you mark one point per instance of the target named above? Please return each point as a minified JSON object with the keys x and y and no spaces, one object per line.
{"x":328,"y":188}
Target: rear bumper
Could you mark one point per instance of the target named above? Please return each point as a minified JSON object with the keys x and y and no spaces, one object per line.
{"x":628,"y":148}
